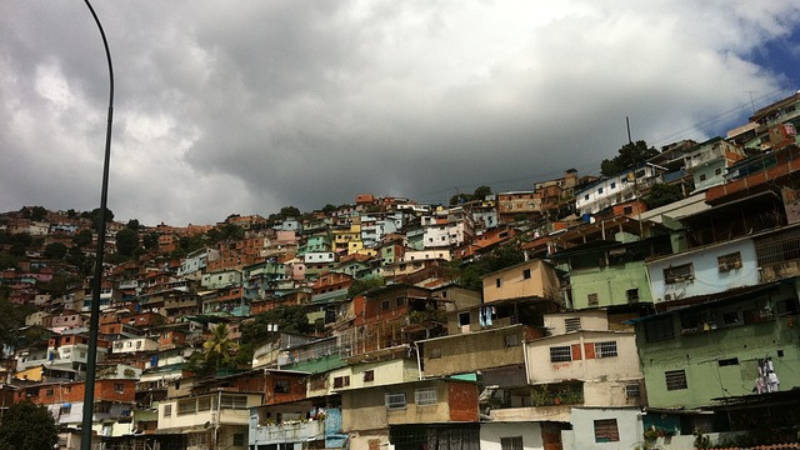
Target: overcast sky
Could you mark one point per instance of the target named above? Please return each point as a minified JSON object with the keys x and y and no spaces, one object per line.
{"x":244,"y":107}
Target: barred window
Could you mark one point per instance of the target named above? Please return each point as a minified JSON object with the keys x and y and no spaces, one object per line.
{"x":511,"y":443}
{"x":606,"y":430}
{"x":677,"y":274}
{"x":369,"y":375}
{"x":592,"y":299}
{"x":605,"y":349}
{"x":204,"y":404}
{"x":676,"y":380}
{"x":396,"y":400}
{"x":233,"y":402}
{"x":632,"y":390}
{"x":561,"y":354}
{"x":425,"y":396}
{"x":188,"y":406}
{"x":572,"y":324}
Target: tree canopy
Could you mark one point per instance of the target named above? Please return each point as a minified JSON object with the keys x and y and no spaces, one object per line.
{"x":288,"y":318}
{"x":55,"y":250}
{"x":471,"y":275}
{"x":662,"y":194}
{"x":127,"y":242}
{"x":631,"y":155}
{"x":28,"y":426}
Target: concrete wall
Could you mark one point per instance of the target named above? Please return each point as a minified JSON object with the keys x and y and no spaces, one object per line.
{"x":473,"y":351}
{"x":543,"y":282}
{"x":707,"y":278}
{"x":531,"y":433}
{"x":582,"y":435}
{"x":609,"y":284}
{"x":586,"y":363}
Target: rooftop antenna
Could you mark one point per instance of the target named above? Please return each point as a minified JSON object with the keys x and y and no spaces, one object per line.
{"x":752,"y":103}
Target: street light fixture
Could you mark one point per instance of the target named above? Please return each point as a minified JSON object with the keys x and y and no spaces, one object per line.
{"x":94,"y":321}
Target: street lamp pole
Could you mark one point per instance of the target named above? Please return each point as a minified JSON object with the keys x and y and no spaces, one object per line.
{"x":94,"y":321}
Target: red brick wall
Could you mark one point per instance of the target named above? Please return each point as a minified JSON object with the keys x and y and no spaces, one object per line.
{"x":74,"y":392}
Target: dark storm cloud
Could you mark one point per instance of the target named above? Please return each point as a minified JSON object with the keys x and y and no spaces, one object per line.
{"x":248,"y":107}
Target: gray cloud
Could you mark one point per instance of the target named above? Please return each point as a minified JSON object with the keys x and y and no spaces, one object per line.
{"x":226,"y":109}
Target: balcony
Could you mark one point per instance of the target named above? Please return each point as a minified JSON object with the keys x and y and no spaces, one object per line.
{"x":288,"y":431}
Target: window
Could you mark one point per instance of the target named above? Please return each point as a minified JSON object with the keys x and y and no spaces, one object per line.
{"x":600,"y":191}
{"x":167,"y":410}
{"x":592,"y":299}
{"x":65,"y":409}
{"x":606,"y":430}
{"x":511,"y":340}
{"x":463,"y":319}
{"x":396,"y":400}
{"x":526,"y":274}
{"x":659,"y":329}
{"x":678,"y":274}
{"x":204,"y":404}
{"x":633,"y":295}
{"x":613,"y":185}
{"x":511,"y":443}
{"x":718,"y":171}
{"x":729,"y":362}
{"x":119,"y":388}
{"x":605,"y":349}
{"x":498,"y":282}
{"x":726,"y":263}
{"x":369,"y":375}
{"x":632,"y":390}
{"x":385,"y":305}
{"x":425,"y":396}
{"x":400,"y":301}
{"x":572,"y":324}
{"x":676,"y":380}
{"x":187,"y":407}
{"x":233,"y":402}
{"x":340,"y":382}
{"x":238,"y":440}
{"x":627,"y":210}
{"x":702,"y":177}
{"x":281,"y":386}
{"x":561,"y":354}
{"x":586,"y":197}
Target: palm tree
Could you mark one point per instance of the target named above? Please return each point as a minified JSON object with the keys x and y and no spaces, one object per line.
{"x":219,"y":348}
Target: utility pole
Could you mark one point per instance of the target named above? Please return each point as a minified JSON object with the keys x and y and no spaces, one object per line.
{"x":94,"y":321}
{"x":628,"y":124}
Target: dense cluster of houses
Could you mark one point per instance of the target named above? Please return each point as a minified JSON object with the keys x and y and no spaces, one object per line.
{"x":622,"y":326}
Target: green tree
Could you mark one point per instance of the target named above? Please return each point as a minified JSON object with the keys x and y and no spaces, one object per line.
{"x":219,"y":350}
{"x":471,"y":275}
{"x":360,"y":286}
{"x":133,"y":224}
{"x":289,"y":211}
{"x":95,"y":216}
{"x":12,"y":318}
{"x":289,"y":319}
{"x":36,"y":213}
{"x":127,"y":242}
{"x":55,"y":250}
{"x":631,"y":155}
{"x":150,"y":241}
{"x":459,"y":199}
{"x":8,"y":261}
{"x":71,"y":213}
{"x":83,"y":238}
{"x":57,"y":285}
{"x":662,"y":194}
{"x":481,"y":192}
{"x":28,"y":426}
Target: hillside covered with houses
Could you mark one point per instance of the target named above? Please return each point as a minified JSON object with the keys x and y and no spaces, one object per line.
{"x":653,"y":306}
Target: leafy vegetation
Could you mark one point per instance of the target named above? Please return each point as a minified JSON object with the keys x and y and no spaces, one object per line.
{"x":28,"y":426}
{"x":288,"y":318}
{"x":631,"y":155}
